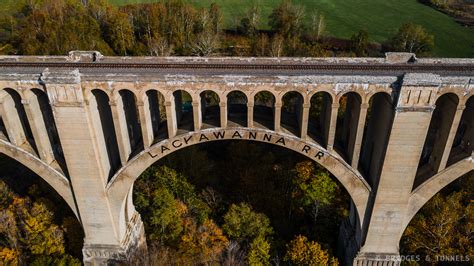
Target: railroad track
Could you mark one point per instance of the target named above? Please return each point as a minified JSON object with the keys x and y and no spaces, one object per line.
{"x":464,"y":68}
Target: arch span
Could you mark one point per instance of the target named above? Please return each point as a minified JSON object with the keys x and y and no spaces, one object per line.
{"x":54,"y":178}
{"x":120,"y":185}
{"x":423,"y":193}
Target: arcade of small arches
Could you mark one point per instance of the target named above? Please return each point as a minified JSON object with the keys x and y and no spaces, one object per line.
{"x":112,"y":131}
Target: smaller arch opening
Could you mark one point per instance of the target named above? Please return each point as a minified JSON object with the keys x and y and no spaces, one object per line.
{"x":157,"y":110}
{"x":347,"y":120}
{"x":210,"y":110}
{"x":105,"y":131}
{"x":129,"y":102}
{"x":463,"y":143}
{"x":264,"y":110}
{"x":377,"y":128}
{"x":184,"y":111}
{"x":51,"y":129}
{"x":19,"y":132}
{"x":320,"y":117}
{"x":437,"y":136}
{"x":292,"y":113}
{"x":236,"y":109}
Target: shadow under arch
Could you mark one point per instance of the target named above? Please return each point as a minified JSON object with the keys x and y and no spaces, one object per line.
{"x":448,"y":181}
{"x":120,"y":186}
{"x":423,"y":193}
{"x":50,"y":175}
{"x":210,"y":109}
{"x":436,"y":137}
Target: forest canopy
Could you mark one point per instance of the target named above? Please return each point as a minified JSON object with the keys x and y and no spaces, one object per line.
{"x":173,"y":27}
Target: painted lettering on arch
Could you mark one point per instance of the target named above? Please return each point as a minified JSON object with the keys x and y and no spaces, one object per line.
{"x":184,"y":141}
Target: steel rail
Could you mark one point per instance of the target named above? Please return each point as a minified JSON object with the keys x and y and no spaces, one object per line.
{"x":414,"y":67}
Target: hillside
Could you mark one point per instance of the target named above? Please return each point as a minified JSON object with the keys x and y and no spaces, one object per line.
{"x":380,"y":18}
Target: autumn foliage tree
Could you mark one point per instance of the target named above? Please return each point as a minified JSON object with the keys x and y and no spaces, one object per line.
{"x":251,"y":230}
{"x":301,"y":251}
{"x":314,"y":187}
{"x":28,"y":234}
{"x":287,"y":20}
{"x":413,"y":38}
{"x":177,"y":217}
{"x":443,"y":227}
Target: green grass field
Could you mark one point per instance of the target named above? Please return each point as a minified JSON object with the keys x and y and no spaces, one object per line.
{"x":381,"y":18}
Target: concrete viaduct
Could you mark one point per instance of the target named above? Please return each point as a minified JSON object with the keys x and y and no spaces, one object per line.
{"x":394,"y":131}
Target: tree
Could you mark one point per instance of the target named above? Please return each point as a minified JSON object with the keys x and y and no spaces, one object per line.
{"x":259,"y":252}
{"x":206,"y":43}
{"x":287,"y":20}
{"x":413,"y":38}
{"x":244,"y":225}
{"x":301,"y":251}
{"x":202,"y":243}
{"x":360,"y":43}
{"x":162,"y":181}
{"x":249,"y":24}
{"x":318,"y":25}
{"x":314,"y":187}
{"x":164,"y":214}
{"x":249,"y":229}
{"x":119,"y":31}
{"x":28,"y":233}
{"x":443,"y":227}
{"x":54,"y":27}
{"x":276,"y":48}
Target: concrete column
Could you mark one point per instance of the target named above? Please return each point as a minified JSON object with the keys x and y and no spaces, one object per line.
{"x":83,"y":162}
{"x":452,"y":134}
{"x":250,"y":106}
{"x":11,"y":119}
{"x":359,"y":134}
{"x":171,"y":120}
{"x":223,"y":114}
{"x":102,"y":243}
{"x":332,"y":126}
{"x":121,"y":131}
{"x":133,"y":249}
{"x":304,"y":120}
{"x":145,"y":122}
{"x":197,"y":115}
{"x":277,"y":114}
{"x":410,"y":126}
{"x":38,"y":128}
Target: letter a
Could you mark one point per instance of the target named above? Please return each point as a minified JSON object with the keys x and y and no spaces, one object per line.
{"x":203,"y":137}
{"x":281,"y":140}
{"x":164,"y":148}
{"x":236,"y":134}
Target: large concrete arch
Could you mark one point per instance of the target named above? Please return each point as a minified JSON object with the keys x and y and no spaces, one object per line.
{"x":54,"y":178}
{"x":423,"y":193}
{"x":119,"y":186}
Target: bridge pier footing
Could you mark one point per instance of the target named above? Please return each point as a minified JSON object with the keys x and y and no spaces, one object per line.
{"x":132,"y":251}
{"x":377,"y":259}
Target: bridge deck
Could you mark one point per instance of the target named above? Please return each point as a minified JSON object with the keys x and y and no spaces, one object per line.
{"x":93,"y":62}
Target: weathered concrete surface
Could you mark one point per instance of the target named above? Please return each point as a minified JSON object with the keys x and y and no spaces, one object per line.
{"x":99,"y":185}
{"x":53,"y":177}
